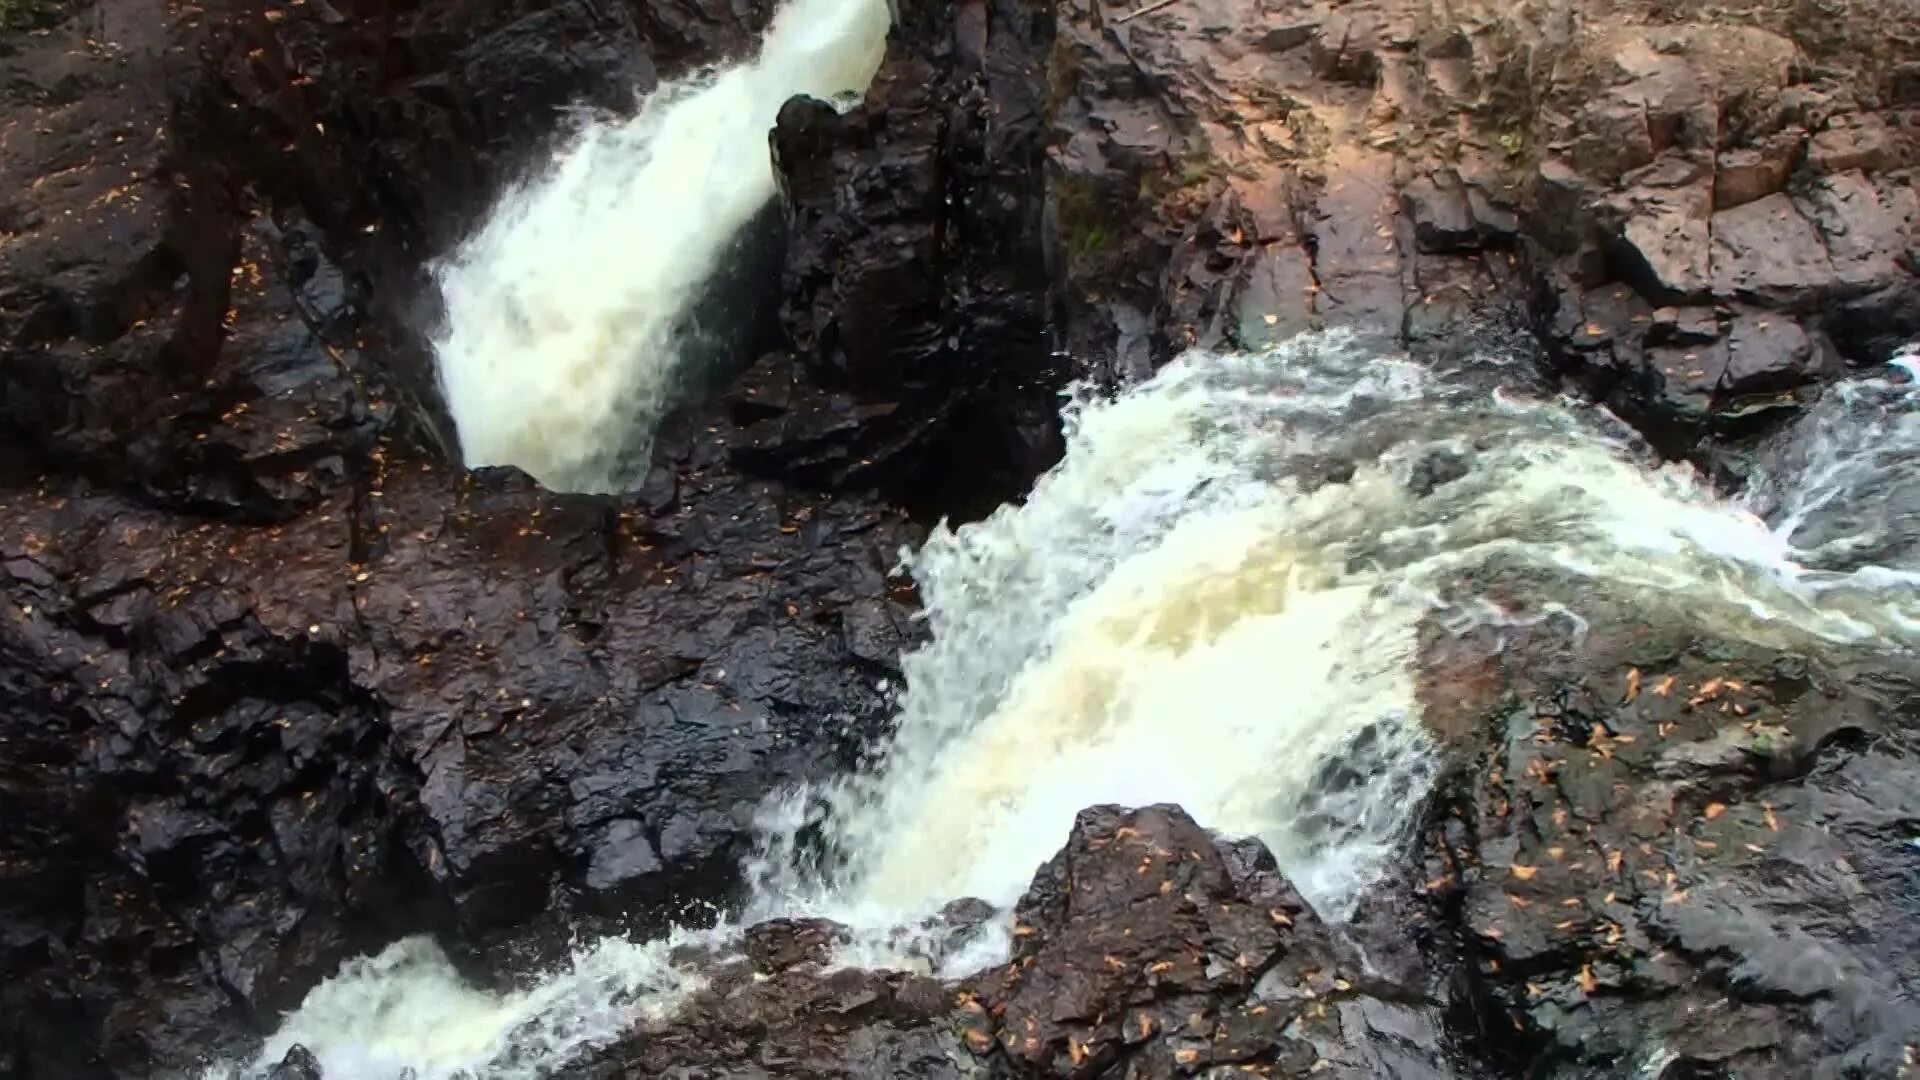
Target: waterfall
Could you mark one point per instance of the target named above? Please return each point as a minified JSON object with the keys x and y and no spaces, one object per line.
{"x":566,"y":314}
{"x":1213,"y":600}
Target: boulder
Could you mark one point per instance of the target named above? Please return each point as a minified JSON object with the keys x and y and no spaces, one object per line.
{"x":1450,"y":216}
{"x":1148,"y":948}
{"x":1664,"y":234}
{"x":1746,"y":174}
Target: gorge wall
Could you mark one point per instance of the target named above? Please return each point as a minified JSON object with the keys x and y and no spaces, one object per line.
{"x":279,"y":683}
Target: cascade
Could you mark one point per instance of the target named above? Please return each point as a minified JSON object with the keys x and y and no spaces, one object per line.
{"x":1214,"y":599}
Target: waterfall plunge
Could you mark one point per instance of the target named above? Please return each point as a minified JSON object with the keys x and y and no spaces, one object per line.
{"x":1213,"y":600}
{"x":565,"y":315}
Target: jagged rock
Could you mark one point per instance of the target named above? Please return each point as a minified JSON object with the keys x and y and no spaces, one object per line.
{"x":1858,"y":141}
{"x":1768,"y":251}
{"x":1665,"y":234}
{"x":915,"y":278}
{"x":1146,"y":948}
{"x":1344,"y":47}
{"x":1684,"y":326}
{"x":1768,"y":353}
{"x":1633,"y":870}
{"x":277,"y":685}
{"x":1450,"y":216}
{"x":1747,"y":174}
{"x":1614,"y":139}
{"x":299,"y":1064}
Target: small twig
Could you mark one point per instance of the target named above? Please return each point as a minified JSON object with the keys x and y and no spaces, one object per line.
{"x":1148,"y":10}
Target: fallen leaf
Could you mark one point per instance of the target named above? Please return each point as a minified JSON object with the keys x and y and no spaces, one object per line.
{"x":1524,"y":873}
{"x":1715,"y":809}
{"x":1633,"y":683}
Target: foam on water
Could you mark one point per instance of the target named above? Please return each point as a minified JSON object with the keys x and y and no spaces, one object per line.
{"x":1214,"y":600}
{"x":565,"y":313}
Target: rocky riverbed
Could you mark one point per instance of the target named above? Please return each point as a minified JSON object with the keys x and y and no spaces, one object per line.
{"x":281,"y":683}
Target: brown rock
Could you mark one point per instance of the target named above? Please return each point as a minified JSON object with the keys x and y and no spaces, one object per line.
{"x":1613,"y":139}
{"x":1664,"y":239}
{"x":1684,"y":326}
{"x":1344,"y":48}
{"x":1748,"y":174}
{"x":1768,"y":251}
{"x":1859,"y":141}
{"x":1869,"y":226}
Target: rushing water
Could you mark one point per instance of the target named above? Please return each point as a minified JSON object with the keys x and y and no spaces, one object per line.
{"x":566,"y":314}
{"x":1213,"y":600}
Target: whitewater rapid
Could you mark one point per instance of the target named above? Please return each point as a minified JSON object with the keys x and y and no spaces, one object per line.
{"x":567,"y":313}
{"x":1214,"y":599}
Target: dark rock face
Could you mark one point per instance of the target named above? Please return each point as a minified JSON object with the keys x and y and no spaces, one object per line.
{"x":1226,"y":177}
{"x":1659,"y":858}
{"x":297,"y":1065}
{"x":916,"y":280}
{"x":276,"y":684}
{"x":1146,"y":948}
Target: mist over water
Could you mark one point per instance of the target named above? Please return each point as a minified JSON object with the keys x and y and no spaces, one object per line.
{"x":1213,"y":600}
{"x":567,"y":313}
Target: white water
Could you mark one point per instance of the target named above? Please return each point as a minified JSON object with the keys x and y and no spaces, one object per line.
{"x":564,"y":314}
{"x":1213,"y":601}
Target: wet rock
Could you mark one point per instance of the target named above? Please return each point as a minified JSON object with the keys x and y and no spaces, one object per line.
{"x":281,"y":686}
{"x":299,"y":1064}
{"x":623,"y":860}
{"x":794,"y":1021}
{"x":786,"y":943}
{"x":1146,"y":949}
{"x":1767,"y":353}
{"x":1684,"y":849}
{"x":915,"y":275}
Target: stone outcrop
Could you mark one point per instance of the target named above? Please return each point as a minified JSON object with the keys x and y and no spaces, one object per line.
{"x":1146,"y":948}
{"x":1659,"y":856}
{"x":915,"y":277}
{"x":279,"y":684}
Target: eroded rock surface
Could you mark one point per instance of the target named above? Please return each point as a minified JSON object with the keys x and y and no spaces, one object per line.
{"x":1662,"y":856}
{"x":916,"y":279}
{"x":1146,"y":948}
{"x":277,"y":683}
